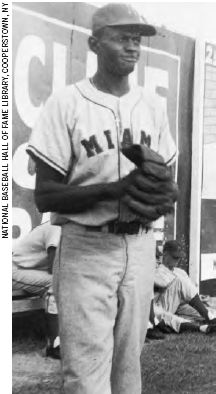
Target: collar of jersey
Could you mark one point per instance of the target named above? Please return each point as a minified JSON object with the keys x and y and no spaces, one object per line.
{"x":108,"y":100}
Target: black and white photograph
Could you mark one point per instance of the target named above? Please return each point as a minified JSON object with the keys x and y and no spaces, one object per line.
{"x":108,"y":197}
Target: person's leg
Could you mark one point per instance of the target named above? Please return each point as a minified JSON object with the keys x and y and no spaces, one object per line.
{"x":168,"y":319}
{"x":88,"y":269}
{"x":134,"y":297}
{"x":189,"y":326}
{"x":39,"y":282}
{"x":31,"y":281}
{"x":185,"y":291}
{"x":196,"y":327}
{"x":187,"y":311}
{"x":51,"y":315}
{"x":153,"y":331}
{"x":197,"y":304}
{"x":180,"y":290}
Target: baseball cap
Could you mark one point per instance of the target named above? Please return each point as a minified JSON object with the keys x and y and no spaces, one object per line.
{"x":120,"y":14}
{"x":173,"y":248}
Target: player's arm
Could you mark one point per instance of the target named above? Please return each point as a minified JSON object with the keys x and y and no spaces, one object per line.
{"x":172,"y":169}
{"x":163,"y":277}
{"x":51,"y":256}
{"x":52,"y":194}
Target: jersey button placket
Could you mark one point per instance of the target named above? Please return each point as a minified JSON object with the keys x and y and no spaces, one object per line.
{"x":119,"y":135}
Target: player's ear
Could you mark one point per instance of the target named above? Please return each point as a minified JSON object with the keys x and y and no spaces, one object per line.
{"x":93,"y":44}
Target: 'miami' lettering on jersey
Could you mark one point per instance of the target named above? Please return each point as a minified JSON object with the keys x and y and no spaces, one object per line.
{"x":145,"y":139}
{"x":93,"y":148}
{"x":109,"y":139}
{"x":127,"y":138}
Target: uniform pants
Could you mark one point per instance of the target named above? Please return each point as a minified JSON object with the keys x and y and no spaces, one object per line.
{"x":166,"y":303}
{"x":35,"y":282}
{"x":103,"y":286}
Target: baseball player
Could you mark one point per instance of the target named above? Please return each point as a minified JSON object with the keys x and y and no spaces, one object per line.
{"x":174,"y":288}
{"x":102,"y":151}
{"x":33,"y":257}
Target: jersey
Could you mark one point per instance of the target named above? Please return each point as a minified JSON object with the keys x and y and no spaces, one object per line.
{"x":31,"y":251}
{"x":163,"y":276}
{"x":180,"y":273}
{"x":80,"y":133}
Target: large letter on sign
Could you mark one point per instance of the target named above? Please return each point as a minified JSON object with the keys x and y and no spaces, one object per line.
{"x":30,"y":46}
{"x":21,"y":175}
{"x":21,"y":223}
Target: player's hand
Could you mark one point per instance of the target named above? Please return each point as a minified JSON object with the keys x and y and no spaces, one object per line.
{"x":149,"y":190}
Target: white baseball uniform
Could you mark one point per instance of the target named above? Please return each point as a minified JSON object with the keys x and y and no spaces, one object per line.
{"x":31,"y":251}
{"x":103,"y":281}
{"x":176,"y":289}
{"x":30,"y":259}
{"x":80,"y":133}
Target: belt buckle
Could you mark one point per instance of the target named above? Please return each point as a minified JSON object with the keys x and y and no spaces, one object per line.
{"x":115,"y":227}
{"x":133,"y":228}
{"x":129,"y":228}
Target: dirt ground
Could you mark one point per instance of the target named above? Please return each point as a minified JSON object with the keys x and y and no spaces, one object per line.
{"x":183,"y":363}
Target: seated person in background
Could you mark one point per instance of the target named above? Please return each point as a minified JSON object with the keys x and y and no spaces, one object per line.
{"x":172,"y":288}
{"x":153,"y":331}
{"x":33,"y":258}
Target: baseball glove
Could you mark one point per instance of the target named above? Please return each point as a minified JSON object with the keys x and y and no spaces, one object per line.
{"x":150,"y":191}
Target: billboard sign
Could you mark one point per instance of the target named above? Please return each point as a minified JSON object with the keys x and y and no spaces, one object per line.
{"x":203,"y":202}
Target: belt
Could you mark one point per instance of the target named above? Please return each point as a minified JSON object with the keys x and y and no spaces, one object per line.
{"x":120,"y":227}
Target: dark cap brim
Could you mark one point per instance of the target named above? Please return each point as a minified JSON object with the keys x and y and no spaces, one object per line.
{"x":176,"y":255}
{"x":144,"y":29}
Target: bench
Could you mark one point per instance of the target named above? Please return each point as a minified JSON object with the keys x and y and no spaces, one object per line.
{"x":24,"y":302}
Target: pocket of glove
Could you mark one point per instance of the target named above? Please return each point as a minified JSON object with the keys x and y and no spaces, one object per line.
{"x":140,"y":153}
{"x":152,"y":185}
{"x":149,"y":191}
{"x":149,"y":198}
{"x":147,"y":211}
{"x":158,"y":171}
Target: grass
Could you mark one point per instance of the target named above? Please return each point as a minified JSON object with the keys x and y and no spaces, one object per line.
{"x":183,"y":363}
{"x":180,"y":364}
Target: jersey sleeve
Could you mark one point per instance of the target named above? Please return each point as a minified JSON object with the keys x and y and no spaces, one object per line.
{"x":52,"y":236}
{"x":163,"y":276}
{"x":167,"y":146}
{"x":50,"y":140}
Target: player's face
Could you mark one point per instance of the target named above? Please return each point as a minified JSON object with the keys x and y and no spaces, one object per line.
{"x":119,"y":50}
{"x":170,"y":261}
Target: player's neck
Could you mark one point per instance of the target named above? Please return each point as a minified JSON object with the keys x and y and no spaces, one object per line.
{"x":112,"y":84}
